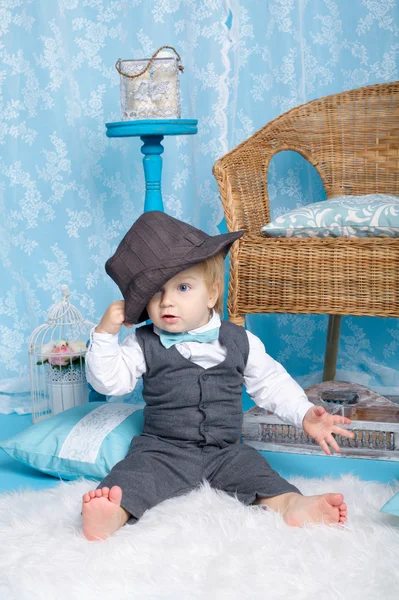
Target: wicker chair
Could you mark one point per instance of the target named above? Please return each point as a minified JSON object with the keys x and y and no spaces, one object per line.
{"x":352,"y":139}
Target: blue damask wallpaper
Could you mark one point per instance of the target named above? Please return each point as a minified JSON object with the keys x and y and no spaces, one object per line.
{"x":68,"y":193}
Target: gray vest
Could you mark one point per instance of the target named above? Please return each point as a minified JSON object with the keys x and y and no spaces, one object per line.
{"x":185,"y":402}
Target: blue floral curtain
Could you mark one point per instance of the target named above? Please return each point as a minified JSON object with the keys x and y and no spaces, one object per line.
{"x":68,"y":193}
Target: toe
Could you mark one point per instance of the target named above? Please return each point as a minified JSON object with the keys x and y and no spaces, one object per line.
{"x":92,"y":493}
{"x":115,"y":494}
{"x":335,"y":499}
{"x":105,"y":491}
{"x":86,"y":498}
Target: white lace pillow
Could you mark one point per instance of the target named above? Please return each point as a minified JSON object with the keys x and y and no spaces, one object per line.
{"x":373,"y":215}
{"x":84,"y":441}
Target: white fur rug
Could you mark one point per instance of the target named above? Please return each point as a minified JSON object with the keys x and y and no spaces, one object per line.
{"x":205,"y":545}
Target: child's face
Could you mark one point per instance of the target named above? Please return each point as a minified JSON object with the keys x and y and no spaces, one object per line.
{"x":184,"y":302}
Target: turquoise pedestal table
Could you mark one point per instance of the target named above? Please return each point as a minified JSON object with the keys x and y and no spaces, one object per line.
{"x":152,"y":132}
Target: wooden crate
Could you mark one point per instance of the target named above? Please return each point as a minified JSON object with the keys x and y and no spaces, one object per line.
{"x":375,"y":421}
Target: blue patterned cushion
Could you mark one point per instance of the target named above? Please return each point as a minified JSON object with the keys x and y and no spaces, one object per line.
{"x":374,"y":215}
{"x":83,"y":441}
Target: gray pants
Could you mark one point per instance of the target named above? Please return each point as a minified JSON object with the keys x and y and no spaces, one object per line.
{"x":156,"y":469}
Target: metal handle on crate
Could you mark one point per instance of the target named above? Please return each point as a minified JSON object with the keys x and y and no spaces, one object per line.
{"x":179,"y":66}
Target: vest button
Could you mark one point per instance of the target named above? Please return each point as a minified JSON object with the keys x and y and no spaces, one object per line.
{"x":205,"y":377}
{"x":205,"y":405}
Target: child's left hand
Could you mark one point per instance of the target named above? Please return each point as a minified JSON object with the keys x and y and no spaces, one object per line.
{"x":320,"y":425}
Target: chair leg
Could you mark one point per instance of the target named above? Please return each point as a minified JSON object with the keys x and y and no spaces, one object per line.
{"x":332,"y":344}
{"x":237,"y":319}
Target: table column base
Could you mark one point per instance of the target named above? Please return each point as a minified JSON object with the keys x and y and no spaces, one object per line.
{"x":152,"y":132}
{"x":152,"y":162}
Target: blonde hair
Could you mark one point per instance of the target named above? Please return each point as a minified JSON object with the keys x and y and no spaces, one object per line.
{"x":213,"y":271}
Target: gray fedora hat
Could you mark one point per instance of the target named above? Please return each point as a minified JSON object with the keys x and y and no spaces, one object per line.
{"x":154,"y":250}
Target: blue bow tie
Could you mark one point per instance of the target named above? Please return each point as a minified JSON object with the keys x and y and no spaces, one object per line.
{"x":170,"y":339}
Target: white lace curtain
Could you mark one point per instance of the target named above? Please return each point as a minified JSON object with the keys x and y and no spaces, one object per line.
{"x":69,"y":193}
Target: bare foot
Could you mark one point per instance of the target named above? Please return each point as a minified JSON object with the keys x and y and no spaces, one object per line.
{"x":102,"y":513}
{"x":327,"y":508}
{"x":297,"y":510}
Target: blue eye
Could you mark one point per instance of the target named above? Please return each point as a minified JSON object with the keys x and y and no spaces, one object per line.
{"x":183,"y":287}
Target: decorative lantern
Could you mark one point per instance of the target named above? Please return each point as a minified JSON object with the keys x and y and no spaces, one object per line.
{"x":57,"y":360}
{"x":150,"y":88}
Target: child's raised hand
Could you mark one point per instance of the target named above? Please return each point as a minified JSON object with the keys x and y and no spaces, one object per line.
{"x":113,"y":318}
{"x":320,"y":425}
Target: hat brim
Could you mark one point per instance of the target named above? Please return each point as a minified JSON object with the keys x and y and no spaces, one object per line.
{"x":147,"y":283}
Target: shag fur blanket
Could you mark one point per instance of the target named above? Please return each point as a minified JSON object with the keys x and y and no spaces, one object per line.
{"x":204,"y":545}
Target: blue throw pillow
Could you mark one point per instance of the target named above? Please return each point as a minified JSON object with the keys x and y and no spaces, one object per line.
{"x":372,"y":215}
{"x":83,"y":441}
{"x":392,"y":506}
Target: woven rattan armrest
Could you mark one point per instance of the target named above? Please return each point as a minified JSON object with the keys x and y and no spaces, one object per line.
{"x":352,"y":139}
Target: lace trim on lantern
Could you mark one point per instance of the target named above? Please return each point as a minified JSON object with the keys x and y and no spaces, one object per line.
{"x":69,"y":374}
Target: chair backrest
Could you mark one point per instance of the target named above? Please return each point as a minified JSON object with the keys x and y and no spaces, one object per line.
{"x":351,"y":138}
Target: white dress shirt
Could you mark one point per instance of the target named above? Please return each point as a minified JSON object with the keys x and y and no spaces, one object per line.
{"x":113,"y":369}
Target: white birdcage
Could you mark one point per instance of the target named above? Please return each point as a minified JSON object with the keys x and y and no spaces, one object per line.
{"x":57,"y":360}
